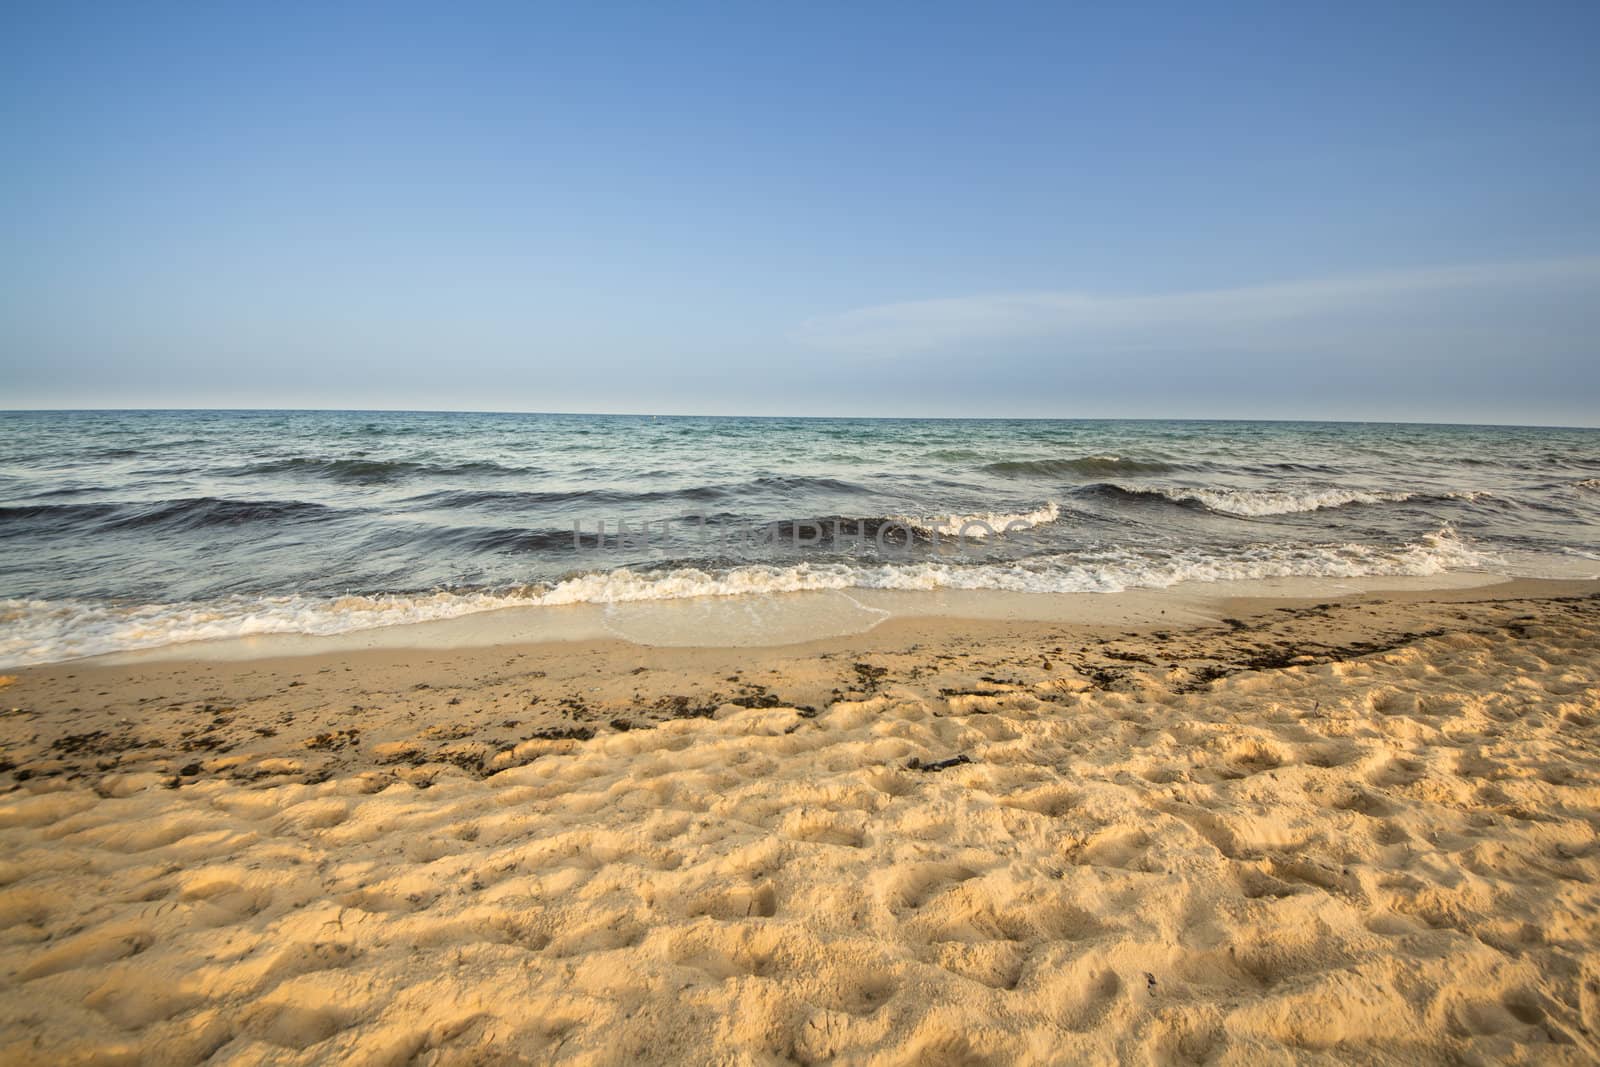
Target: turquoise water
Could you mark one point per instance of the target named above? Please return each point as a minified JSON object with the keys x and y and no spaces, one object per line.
{"x":128,"y":529}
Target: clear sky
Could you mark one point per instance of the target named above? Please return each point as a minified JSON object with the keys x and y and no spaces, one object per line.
{"x":1208,"y":210}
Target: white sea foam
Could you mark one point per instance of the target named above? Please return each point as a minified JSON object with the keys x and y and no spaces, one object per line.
{"x":982,"y":524}
{"x":44,"y":631}
{"x":1257,"y":502}
{"x":34,"y":631}
{"x":1253,"y":503}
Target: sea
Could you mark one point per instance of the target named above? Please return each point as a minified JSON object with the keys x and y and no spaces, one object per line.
{"x":122,"y":530}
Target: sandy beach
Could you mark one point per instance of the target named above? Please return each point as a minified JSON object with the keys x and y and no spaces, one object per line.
{"x":754,"y":537}
{"x":1361,"y":829}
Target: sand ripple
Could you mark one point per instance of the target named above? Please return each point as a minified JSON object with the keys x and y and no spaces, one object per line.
{"x":1389,"y":859}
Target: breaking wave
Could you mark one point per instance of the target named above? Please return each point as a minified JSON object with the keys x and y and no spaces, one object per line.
{"x":1254,"y":503}
{"x":983,"y":524}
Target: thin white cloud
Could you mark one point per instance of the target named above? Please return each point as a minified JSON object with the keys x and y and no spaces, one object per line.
{"x":1232,"y":316}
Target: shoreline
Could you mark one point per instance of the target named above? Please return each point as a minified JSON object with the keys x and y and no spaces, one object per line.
{"x":468,"y":695}
{"x":764,"y":619}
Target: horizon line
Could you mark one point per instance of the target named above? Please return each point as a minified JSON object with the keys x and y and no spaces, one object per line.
{"x":856,"y":418}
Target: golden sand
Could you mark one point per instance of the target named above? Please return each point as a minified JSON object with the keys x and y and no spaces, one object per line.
{"x":1363,"y":830}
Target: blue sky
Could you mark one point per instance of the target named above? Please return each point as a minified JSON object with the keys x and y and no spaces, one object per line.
{"x":1178,"y":210}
